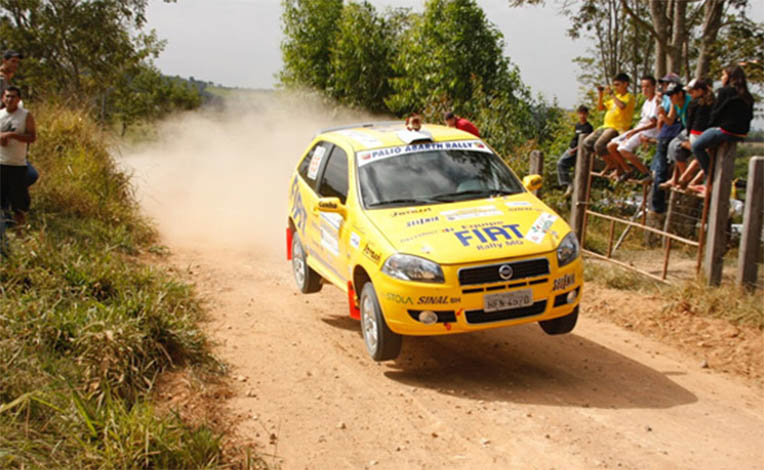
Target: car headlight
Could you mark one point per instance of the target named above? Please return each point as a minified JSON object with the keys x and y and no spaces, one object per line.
{"x":568,"y":250}
{"x":413,"y":268}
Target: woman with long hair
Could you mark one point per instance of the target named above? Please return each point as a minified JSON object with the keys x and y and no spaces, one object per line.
{"x":730,"y":118}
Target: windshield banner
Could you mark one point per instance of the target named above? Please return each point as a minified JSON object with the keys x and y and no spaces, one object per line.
{"x":370,"y":156}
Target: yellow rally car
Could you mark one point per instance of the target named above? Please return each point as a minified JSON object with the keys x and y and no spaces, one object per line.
{"x":429,"y":233}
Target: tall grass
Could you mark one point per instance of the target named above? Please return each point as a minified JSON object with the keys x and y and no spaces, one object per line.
{"x":85,"y":328}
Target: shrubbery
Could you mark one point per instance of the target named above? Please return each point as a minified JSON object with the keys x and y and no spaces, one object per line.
{"x":85,"y":328}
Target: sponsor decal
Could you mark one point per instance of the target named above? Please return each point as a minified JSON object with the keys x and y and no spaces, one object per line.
{"x":298,"y":209}
{"x":437,"y":299}
{"x":398,"y":299}
{"x":418,"y":235}
{"x":315,"y":161}
{"x":327,"y":205}
{"x":562,"y":283}
{"x":371,"y":254}
{"x":369,"y":156}
{"x":416,"y":210}
{"x":330,"y":227}
{"x":540,"y":227}
{"x":470,"y":213}
{"x":355,"y":240}
{"x":518,"y":204}
{"x":422,"y":221}
{"x":491,"y":237}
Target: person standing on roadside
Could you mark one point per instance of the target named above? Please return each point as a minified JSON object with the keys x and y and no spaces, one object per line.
{"x":8,"y":69}
{"x":452,"y":120}
{"x":17,"y":131}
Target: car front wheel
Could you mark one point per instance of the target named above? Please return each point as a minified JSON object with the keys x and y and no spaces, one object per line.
{"x":561,"y":325}
{"x":308,"y":281}
{"x":381,"y":342}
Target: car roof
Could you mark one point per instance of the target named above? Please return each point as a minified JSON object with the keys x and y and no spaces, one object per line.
{"x":381,"y":134}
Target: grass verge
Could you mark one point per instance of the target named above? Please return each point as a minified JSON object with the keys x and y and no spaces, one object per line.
{"x":85,"y":329}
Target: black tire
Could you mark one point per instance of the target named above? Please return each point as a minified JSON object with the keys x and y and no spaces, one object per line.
{"x":561,"y":325}
{"x":308,"y":281}
{"x":381,"y":343}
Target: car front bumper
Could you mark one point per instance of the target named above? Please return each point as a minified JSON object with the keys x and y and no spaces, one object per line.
{"x":459,"y":302}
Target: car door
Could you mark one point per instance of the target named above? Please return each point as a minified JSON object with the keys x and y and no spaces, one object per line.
{"x":332,"y":226}
{"x":304,"y":197}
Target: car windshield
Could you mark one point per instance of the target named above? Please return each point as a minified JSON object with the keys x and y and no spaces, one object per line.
{"x":435,"y":176}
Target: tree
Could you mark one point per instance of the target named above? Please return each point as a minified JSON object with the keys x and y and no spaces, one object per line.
{"x":361,"y":58}
{"x":685,"y":34}
{"x":447,"y":48}
{"x":310,"y":27}
{"x":79,"y":50}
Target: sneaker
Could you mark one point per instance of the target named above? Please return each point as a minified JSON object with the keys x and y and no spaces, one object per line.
{"x":568,"y":191}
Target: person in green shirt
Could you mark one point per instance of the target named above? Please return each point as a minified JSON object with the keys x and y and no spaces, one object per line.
{"x":619,"y":104}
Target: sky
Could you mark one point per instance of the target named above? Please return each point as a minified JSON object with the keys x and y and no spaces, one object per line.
{"x":235,"y":43}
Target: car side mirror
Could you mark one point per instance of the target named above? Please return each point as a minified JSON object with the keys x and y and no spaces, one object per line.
{"x":330,"y":204}
{"x":533,"y":182}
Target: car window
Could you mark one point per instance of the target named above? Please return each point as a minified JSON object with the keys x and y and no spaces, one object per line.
{"x":311,"y":164}
{"x":334,"y":182}
{"x":426,"y":177}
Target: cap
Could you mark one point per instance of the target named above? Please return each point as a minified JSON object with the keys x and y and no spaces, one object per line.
{"x":671,"y":77}
{"x":696,"y":84}
{"x":9,"y":54}
{"x":448,"y":115}
{"x":673,"y":88}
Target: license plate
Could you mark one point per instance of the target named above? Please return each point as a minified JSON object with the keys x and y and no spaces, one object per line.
{"x":507,"y":300}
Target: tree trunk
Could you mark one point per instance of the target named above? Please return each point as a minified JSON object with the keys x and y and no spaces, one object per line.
{"x":678,"y":37}
{"x":660,"y":24}
{"x":712,"y":22}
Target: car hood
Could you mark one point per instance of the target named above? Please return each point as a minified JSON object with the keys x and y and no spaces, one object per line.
{"x":472,"y":231}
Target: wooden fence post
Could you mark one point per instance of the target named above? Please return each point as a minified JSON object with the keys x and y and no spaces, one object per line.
{"x":536,"y":166}
{"x":580,"y":181}
{"x":719,"y":212}
{"x":752,"y":221}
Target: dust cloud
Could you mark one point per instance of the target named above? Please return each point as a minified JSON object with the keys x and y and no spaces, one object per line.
{"x":218,"y":177}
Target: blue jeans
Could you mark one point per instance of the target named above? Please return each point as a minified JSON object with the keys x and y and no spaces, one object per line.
{"x":710,"y":138}
{"x":564,"y":164}
{"x":660,"y":169}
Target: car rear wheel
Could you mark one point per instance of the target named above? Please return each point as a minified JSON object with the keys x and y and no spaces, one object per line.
{"x":561,"y":325}
{"x":381,"y":342}
{"x":308,"y":281}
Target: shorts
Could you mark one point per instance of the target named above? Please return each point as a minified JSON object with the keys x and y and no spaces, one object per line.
{"x":14,"y":192}
{"x":630,"y":144}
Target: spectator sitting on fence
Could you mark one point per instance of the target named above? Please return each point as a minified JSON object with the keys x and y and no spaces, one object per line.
{"x":568,"y":158}
{"x":620,"y":108}
{"x":673,"y":123}
{"x":680,"y":150}
{"x":625,"y":145}
{"x":730,"y":118}
{"x":452,"y":120}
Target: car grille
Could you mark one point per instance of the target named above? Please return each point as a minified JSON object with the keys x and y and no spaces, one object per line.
{"x":480,"y":316}
{"x":490,"y":273}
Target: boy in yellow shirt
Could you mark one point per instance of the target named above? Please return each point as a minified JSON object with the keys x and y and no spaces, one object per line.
{"x":620,"y":110}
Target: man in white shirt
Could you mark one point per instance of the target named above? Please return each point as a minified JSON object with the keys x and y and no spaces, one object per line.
{"x":17,"y":131}
{"x":624,"y":146}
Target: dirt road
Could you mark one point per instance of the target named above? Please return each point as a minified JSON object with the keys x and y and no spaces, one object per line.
{"x":602,"y":397}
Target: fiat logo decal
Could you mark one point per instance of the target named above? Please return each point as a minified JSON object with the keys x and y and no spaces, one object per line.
{"x":505,"y":271}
